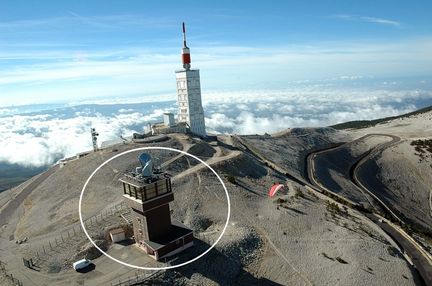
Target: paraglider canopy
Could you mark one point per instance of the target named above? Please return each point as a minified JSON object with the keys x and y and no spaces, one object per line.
{"x":273,"y":190}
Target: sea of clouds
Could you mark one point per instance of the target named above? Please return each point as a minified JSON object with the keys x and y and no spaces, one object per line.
{"x":42,"y":137}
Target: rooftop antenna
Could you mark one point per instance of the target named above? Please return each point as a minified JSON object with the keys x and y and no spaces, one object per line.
{"x":94,"y":135}
{"x":186,"y":59}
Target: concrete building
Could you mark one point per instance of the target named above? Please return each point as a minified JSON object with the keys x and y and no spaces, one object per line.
{"x":168,"y":119}
{"x":190,"y":108}
{"x":117,"y":235}
{"x":149,"y":196}
{"x":161,"y":128}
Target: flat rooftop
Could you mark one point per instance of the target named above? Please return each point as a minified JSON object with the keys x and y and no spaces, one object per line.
{"x":177,"y":231}
{"x":140,"y":181}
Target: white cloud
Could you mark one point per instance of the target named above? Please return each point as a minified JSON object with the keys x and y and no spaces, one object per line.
{"x":101,"y":22}
{"x":6,"y":111}
{"x":125,"y":110}
{"x":380,"y":21}
{"x":367,"y":19}
{"x":42,"y":139}
{"x":129,"y":71}
{"x":272,"y":111}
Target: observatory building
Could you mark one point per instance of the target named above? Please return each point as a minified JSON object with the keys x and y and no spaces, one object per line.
{"x":190,"y":116}
{"x":149,"y":193}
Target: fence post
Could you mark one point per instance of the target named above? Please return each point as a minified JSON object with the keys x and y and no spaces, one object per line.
{"x":43,"y":247}
{"x":50,"y":244}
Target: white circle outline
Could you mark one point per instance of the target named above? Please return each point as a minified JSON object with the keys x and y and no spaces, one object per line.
{"x":154,"y":268}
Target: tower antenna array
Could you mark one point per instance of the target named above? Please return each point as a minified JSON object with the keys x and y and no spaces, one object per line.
{"x":186,"y":59}
{"x":94,"y":135}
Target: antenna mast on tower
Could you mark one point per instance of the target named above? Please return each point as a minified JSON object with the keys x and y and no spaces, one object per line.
{"x":94,"y":135}
{"x":186,"y":59}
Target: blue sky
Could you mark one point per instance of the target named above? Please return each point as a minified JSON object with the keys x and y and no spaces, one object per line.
{"x":73,"y":51}
{"x":265,"y":66}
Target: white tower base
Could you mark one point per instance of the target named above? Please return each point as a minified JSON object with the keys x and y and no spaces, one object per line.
{"x":190,"y":108}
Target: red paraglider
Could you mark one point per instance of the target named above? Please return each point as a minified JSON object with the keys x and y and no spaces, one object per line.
{"x":273,"y":190}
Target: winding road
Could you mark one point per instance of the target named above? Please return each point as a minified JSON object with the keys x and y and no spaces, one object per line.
{"x":421,"y":259}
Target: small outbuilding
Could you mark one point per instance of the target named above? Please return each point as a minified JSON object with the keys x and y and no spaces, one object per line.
{"x":117,"y":234}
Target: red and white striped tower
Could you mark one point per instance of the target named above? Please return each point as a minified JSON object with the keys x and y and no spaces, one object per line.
{"x":186,"y":59}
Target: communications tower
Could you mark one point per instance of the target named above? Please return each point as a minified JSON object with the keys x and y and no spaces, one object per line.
{"x":190,"y":108}
{"x":94,"y":135}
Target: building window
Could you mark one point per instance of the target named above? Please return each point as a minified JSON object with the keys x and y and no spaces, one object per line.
{"x":133,"y":192}
{"x":139,"y":195}
{"x":128,"y":190}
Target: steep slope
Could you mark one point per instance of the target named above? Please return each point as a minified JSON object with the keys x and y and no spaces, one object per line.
{"x":290,"y":148}
{"x":297,"y":239}
{"x":402,"y":173}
